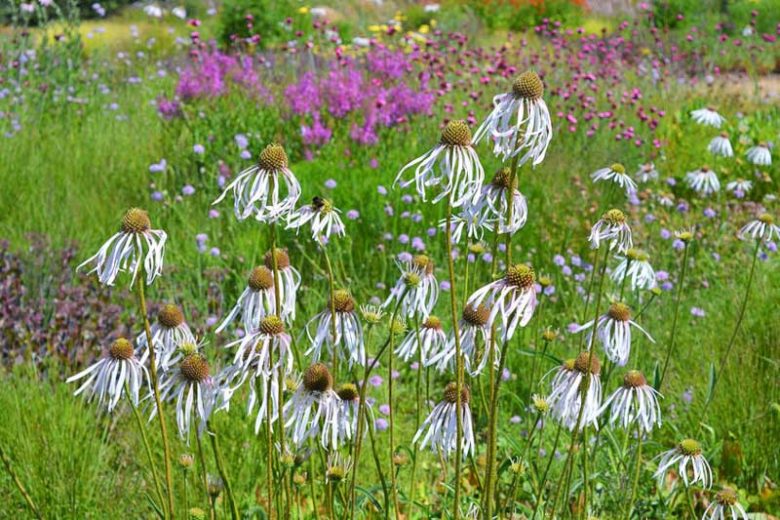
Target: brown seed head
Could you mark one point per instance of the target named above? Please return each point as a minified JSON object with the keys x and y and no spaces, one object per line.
{"x":432,"y":322}
{"x":520,"y":275}
{"x":456,"y":133}
{"x":261,"y":279}
{"x":424,"y":263}
{"x":502,"y":178}
{"x":348,"y":392}
{"x":136,"y":220}
{"x":272,"y":325}
{"x":317,"y":378}
{"x":614,"y":217}
{"x":194,"y":368}
{"x":272,"y":158}
{"x":477,"y":316}
{"x":451,"y":394}
{"x":121,"y":349}
{"x":282,"y":259}
{"x":528,"y":85}
{"x":634,"y":379}
{"x":619,"y":311}
{"x":726,"y":497}
{"x":170,"y":316}
{"x":342,"y":301}
{"x":766,"y":218}
{"x":581,"y":363}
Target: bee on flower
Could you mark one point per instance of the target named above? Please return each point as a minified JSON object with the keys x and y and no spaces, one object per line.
{"x":339,"y":318}
{"x":439,"y":430}
{"x":760,"y":155}
{"x":687,"y":456}
{"x":513,"y":297}
{"x":703,"y":181}
{"x":519,"y":122}
{"x":612,"y":227}
{"x":617,"y":175}
{"x":323,"y":217}
{"x":257,"y":191}
{"x":613,"y":331}
{"x":135,"y":245}
{"x":257,"y":301}
{"x":565,"y":398}
{"x":417,"y":287}
{"x":108,"y":378}
{"x":635,"y":402}
{"x":452,"y":166}
{"x":720,"y":145}
{"x":708,"y":117}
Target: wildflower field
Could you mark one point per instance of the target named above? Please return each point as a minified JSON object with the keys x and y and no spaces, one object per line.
{"x":388,"y":259}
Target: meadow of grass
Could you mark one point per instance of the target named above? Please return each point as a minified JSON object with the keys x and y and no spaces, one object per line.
{"x":87,"y":146}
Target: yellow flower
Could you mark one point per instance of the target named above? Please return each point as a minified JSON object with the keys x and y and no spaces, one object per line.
{"x":303,"y":10}
{"x":424,"y":29}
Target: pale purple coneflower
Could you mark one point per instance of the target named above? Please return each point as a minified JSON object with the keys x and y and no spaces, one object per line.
{"x":193,"y":390}
{"x":430,"y":339}
{"x":565,"y":396}
{"x":169,"y":332}
{"x":313,"y":402}
{"x":439,"y":430}
{"x":636,"y":269}
{"x":739,"y":186}
{"x":346,"y":325}
{"x":417,"y":286}
{"x":519,"y":122}
{"x":613,"y":329}
{"x":452,"y":165}
{"x":725,"y":506}
{"x":257,"y":301}
{"x":495,"y":206}
{"x":339,"y":467}
{"x":469,"y":221}
{"x":634,"y":402}
{"x":323,"y":217}
{"x":617,"y":175}
{"x":760,"y":155}
{"x":257,"y":190}
{"x":134,"y":245}
{"x":720,"y":145}
{"x":612,"y":228}
{"x":474,"y":330}
{"x":289,"y":281}
{"x":349,"y":408}
{"x":647,"y":173}
{"x":708,"y":117}
{"x":513,"y":297}
{"x":761,"y":228}
{"x":687,"y":453}
{"x":108,"y":377}
{"x":703,"y":181}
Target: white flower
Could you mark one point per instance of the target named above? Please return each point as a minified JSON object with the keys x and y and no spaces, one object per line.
{"x":634,"y":402}
{"x":108,"y":376}
{"x":617,"y":174}
{"x":313,"y":402}
{"x":613,"y":330}
{"x":431,"y":338}
{"x":323,"y":217}
{"x":289,"y":281}
{"x":338,"y":467}
{"x":707,"y":116}
{"x":347,"y":327}
{"x":613,"y":228}
{"x":720,"y":145}
{"x":440,"y":427}
{"x":169,"y":332}
{"x":263,"y":389}
{"x":257,"y":190}
{"x":687,"y":452}
{"x":520,"y":122}
{"x":179,"y":12}
{"x":565,"y":397}
{"x":647,"y":172}
{"x":703,"y":181}
{"x":739,"y":185}
{"x":513,"y":297}
{"x":257,"y":348}
{"x":193,"y":390}
{"x":472,"y":327}
{"x":762,"y":228}
{"x":459,"y":175}
{"x":349,"y":408}
{"x":256,"y":302}
{"x":124,"y":251}
{"x":634,"y":266}
{"x":725,"y":506}
{"x":760,"y":155}
{"x":153,"y":11}
{"x":471,"y":220}
{"x":494,"y":204}
{"x":418,"y":287}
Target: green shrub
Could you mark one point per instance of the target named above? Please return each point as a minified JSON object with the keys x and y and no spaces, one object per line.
{"x":274,"y":22}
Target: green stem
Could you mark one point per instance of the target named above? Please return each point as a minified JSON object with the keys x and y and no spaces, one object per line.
{"x":677,"y":299}
{"x":637,"y":471}
{"x":19,"y":485}
{"x":418,"y":411}
{"x":147,"y":447}
{"x":204,"y":476}
{"x":391,"y":426}
{"x":223,"y":474}
{"x":332,"y":306}
{"x":156,"y":393}
{"x":543,"y":480}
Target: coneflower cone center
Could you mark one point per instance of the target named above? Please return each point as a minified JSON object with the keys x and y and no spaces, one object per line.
{"x":766,"y":218}
{"x":637,"y":255}
{"x":348,"y":392}
{"x":477,"y":316}
{"x":615,"y":217}
{"x":195,"y":368}
{"x":520,"y":275}
{"x":619,"y":311}
{"x":282,"y":259}
{"x":726,"y":497}
{"x":689,"y":447}
{"x":502,"y":178}
{"x":272,"y":325}
{"x":273,"y":158}
{"x":136,"y":220}
{"x":432,"y":322}
{"x":336,"y":473}
{"x":618,"y":168}
{"x":170,"y":316}
{"x":261,"y":279}
{"x":581,"y":363}
{"x":342,"y":301}
{"x":634,"y":379}
{"x":424,"y":263}
{"x":317,"y":378}
{"x":451,"y":394}
{"x":528,"y":85}
{"x":456,"y":133}
{"x":121,"y":349}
